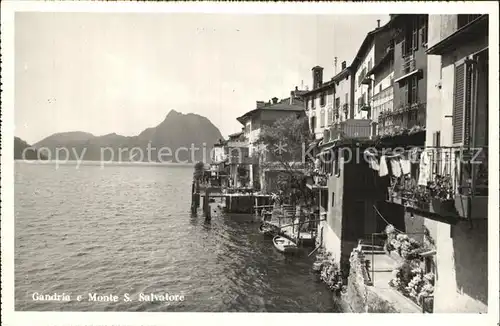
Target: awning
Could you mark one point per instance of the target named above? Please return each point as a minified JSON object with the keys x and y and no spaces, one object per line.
{"x":408,"y":75}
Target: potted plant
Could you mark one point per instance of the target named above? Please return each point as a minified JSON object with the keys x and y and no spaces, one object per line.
{"x":442,"y":195}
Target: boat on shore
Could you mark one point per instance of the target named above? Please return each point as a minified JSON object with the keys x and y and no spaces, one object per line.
{"x":285,"y":245}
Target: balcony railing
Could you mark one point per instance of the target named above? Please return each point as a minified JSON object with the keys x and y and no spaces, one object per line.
{"x":408,"y":64}
{"x":408,"y":118}
{"x":453,"y":184}
{"x":384,"y":94}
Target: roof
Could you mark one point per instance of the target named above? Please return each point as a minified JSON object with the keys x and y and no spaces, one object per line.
{"x":341,"y":74}
{"x":236,"y":134}
{"x":280,"y":106}
{"x":366,"y":43}
{"x":471,"y":31}
{"x":324,"y":86}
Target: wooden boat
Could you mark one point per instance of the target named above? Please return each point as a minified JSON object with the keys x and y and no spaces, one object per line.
{"x":284,"y":245}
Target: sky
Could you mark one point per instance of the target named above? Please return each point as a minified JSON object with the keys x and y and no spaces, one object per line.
{"x":123,"y":72}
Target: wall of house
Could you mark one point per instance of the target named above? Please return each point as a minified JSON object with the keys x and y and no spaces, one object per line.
{"x":343,"y":91}
{"x":462,"y":267}
{"x":332,"y":227}
{"x":436,"y":90}
{"x":362,"y":89}
{"x":218,"y":153}
{"x":254,"y":125}
{"x":383,"y":94}
{"x":461,"y":259}
{"x":382,"y":41}
{"x":420,"y":63}
{"x":319,"y":111}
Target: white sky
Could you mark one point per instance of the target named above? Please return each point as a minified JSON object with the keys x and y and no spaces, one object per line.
{"x":122,"y":72}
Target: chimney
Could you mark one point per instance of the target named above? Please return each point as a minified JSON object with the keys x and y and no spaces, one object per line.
{"x":296,"y":88}
{"x":275,"y":100}
{"x":378,"y":23}
{"x":344,"y":65}
{"x":335,"y":66}
{"x":260,"y":104}
{"x":317,"y":77}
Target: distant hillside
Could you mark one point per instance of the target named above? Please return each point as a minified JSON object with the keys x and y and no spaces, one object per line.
{"x":176,"y":134}
{"x":21,"y":147}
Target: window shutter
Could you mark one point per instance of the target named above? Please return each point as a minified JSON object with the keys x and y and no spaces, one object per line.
{"x":458,"y":104}
{"x":468,"y":105}
{"x":462,"y":104}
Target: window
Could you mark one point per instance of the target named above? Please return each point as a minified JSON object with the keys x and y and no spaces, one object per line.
{"x":329,"y":96}
{"x":346,"y":99}
{"x":313,"y":100}
{"x":414,"y":35}
{"x":380,"y":88}
{"x":404,"y":94}
{"x":322,"y":99}
{"x":413,"y":90}
{"x":313,"y":124}
{"x":322,"y":119}
{"x":436,"y":142}
{"x":336,"y":163}
{"x":463,"y":20}
{"x":330,"y":116}
{"x":337,"y":103}
{"x":333,"y":199}
{"x":425,"y":26}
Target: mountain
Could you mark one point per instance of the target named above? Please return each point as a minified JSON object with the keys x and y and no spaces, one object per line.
{"x":176,"y":139}
{"x":22,"y":148}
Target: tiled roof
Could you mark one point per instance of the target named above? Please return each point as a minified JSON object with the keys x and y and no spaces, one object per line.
{"x":284,"y":105}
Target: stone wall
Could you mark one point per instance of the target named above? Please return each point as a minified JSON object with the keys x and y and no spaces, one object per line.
{"x":361,"y":297}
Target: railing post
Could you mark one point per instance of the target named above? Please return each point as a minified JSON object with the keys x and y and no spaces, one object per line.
{"x":373,"y":262}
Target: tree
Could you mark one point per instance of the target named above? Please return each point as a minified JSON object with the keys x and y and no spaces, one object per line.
{"x":199,"y":170}
{"x":283,"y":144}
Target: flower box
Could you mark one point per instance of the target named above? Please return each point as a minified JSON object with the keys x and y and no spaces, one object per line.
{"x":443,"y":207}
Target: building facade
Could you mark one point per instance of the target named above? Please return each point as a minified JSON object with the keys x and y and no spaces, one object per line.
{"x":342,"y":99}
{"x":319,"y":103}
{"x":265,"y":114}
{"x":410,"y":71}
{"x":382,"y":100}
{"x":370,"y":53}
{"x":457,"y":118}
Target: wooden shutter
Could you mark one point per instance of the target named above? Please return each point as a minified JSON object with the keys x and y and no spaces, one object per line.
{"x":458,"y":104}
{"x":462,"y":104}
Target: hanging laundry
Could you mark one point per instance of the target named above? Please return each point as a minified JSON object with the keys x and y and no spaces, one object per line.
{"x":395,"y":167}
{"x":383,"y":170}
{"x":372,"y":160}
{"x":425,"y":165}
{"x":374,"y":163}
{"x":405,"y":165}
{"x":414,"y":155}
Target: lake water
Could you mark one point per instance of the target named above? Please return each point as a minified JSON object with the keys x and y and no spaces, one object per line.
{"x":128,"y":230}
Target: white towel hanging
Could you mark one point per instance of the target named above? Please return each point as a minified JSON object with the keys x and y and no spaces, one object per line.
{"x":383,"y":170}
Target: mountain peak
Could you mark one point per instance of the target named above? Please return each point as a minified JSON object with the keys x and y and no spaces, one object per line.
{"x":173,"y":113}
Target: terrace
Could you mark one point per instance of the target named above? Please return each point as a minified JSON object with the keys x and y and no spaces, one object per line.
{"x":456,"y":187}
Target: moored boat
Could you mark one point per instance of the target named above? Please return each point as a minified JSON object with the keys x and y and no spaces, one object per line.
{"x":266,"y":229}
{"x":284,"y":245}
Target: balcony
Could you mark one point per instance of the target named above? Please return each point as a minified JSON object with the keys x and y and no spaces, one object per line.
{"x":406,"y":119}
{"x":408,"y":64}
{"x":456,"y":186}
